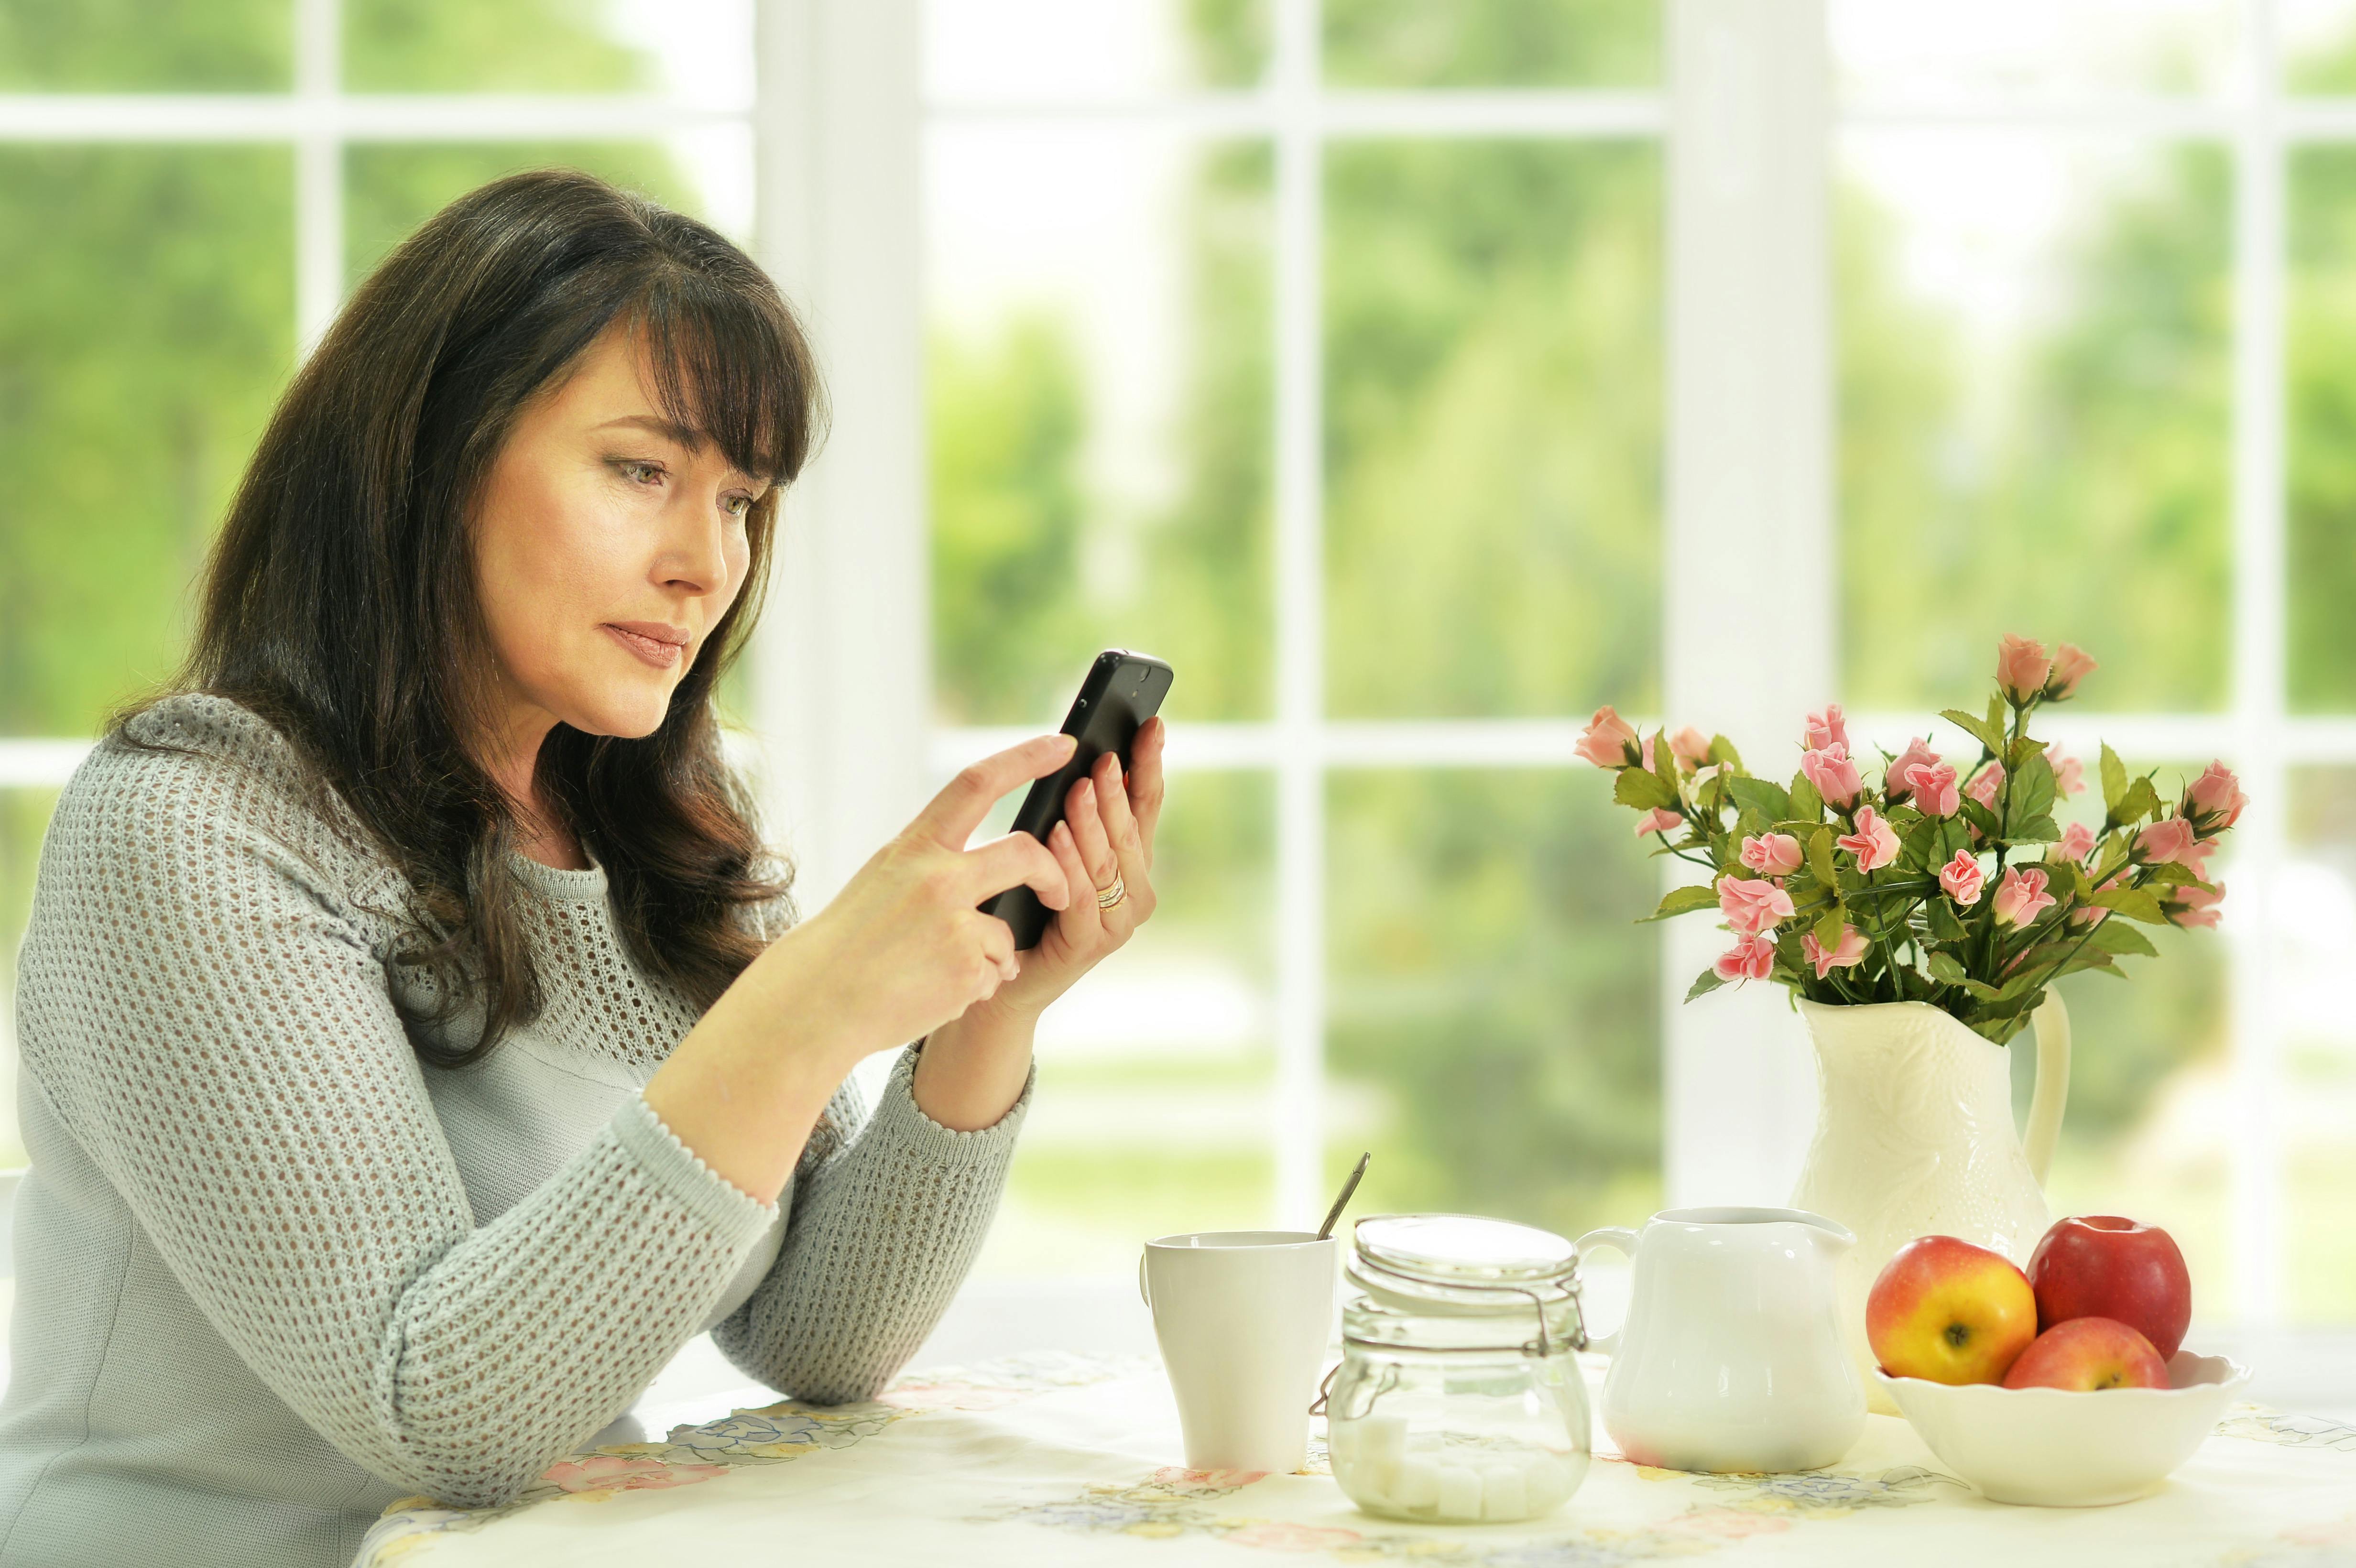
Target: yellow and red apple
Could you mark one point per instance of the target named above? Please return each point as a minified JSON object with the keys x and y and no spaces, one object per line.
{"x":2088,"y":1354}
{"x":2099,"y":1265}
{"x":1949,"y":1312}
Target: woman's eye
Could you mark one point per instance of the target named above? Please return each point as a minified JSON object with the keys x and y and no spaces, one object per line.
{"x":739,"y":505}
{"x":641,"y":473}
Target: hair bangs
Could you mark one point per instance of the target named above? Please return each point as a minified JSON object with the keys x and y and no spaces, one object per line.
{"x":729,"y":364}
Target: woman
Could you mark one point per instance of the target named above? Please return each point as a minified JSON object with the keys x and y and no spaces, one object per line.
{"x":418,"y":1050}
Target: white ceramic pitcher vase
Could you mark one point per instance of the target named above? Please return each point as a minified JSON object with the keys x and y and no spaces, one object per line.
{"x":1914,"y":1138}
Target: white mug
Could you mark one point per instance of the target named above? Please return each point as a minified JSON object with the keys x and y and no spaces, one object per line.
{"x":1731,"y":1357}
{"x":1244,"y":1318}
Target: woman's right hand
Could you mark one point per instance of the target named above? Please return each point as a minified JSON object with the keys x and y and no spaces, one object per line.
{"x":901,"y":950}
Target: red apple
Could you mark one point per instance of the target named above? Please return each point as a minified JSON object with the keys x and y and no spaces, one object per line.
{"x":2099,"y":1265}
{"x":1947,"y":1311}
{"x":2086,"y":1354}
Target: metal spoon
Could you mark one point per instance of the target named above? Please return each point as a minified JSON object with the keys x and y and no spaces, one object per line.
{"x":1339,"y":1203}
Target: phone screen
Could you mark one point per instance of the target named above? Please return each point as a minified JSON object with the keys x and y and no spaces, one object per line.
{"x":1122,"y":690}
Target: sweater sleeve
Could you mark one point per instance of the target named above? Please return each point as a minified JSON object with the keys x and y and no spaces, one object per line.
{"x":208,"y":1015}
{"x":884,"y":1227}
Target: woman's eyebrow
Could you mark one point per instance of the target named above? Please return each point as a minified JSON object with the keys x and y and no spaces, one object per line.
{"x":670,"y":430}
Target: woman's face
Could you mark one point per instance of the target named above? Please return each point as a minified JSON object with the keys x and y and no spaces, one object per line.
{"x":608,"y":542}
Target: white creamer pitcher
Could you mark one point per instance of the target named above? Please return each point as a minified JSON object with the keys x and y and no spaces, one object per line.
{"x":1731,"y":1358}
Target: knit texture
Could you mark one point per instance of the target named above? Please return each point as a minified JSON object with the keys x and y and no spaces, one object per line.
{"x":273,"y":1273}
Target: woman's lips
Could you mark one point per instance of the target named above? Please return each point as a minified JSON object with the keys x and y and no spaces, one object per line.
{"x":659,"y":646}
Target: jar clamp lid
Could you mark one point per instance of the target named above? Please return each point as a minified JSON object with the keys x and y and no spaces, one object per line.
{"x":1466,"y":1265}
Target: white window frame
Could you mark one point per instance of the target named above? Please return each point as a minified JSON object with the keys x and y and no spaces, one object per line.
{"x":843,"y":686}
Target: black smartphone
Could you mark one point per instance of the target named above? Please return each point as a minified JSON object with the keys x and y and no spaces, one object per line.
{"x":1123,"y":689}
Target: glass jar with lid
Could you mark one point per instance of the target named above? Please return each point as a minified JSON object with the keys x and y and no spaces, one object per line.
{"x":1459,"y":1398}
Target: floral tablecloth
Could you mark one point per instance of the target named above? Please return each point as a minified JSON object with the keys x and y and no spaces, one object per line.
{"x":1069,"y":1459}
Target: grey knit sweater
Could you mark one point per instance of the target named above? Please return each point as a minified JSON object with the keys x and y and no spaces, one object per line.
{"x":273,"y":1273}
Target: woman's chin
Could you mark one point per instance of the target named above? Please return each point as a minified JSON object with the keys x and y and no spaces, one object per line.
{"x":631,"y":719}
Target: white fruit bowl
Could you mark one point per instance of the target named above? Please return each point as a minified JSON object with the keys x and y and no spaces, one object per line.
{"x":2062,"y":1449}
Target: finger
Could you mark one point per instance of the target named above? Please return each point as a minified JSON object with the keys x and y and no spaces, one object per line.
{"x":1015,"y":861}
{"x":952,"y":816}
{"x":1128,"y":848}
{"x":1080,"y":922}
{"x":998,"y":945}
{"x":1088,"y":832}
{"x":1145,"y":788}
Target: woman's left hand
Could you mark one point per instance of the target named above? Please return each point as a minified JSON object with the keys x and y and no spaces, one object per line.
{"x":1106,"y":833}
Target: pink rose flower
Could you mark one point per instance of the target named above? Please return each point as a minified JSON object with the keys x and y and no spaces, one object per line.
{"x":2196,"y":906}
{"x":2071,"y":665}
{"x":1772,"y":854}
{"x":1660,"y":819}
{"x":2215,"y":802}
{"x":1834,"y":776}
{"x":1898,"y":779}
{"x":1826,"y":728}
{"x":1753,"y":905}
{"x":2020,"y":895}
{"x":1606,"y":739}
{"x":2021,"y":667}
{"x":1874,"y":842}
{"x":2077,"y":842}
{"x":1847,"y":955}
{"x":1962,"y":879}
{"x":1933,"y":784}
{"x":1752,"y":957}
{"x":1690,"y":746}
{"x":1985,"y":784}
{"x":2169,"y":838}
{"x":2069,"y":772}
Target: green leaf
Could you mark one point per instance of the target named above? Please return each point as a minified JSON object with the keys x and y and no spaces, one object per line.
{"x":1771,"y":801}
{"x":1820,"y":856}
{"x":2023,"y":748}
{"x":1643,"y":791}
{"x":1828,"y":927}
{"x":1939,"y":913}
{"x":1707,"y":982}
{"x":2117,"y":936}
{"x":1988,"y":733}
{"x":2172,"y":874}
{"x":2142,"y":800}
{"x":2133,"y":903}
{"x":2036,"y":830}
{"x":1807,"y":806}
{"x":1722,"y":753}
{"x":1955,"y":838}
{"x":1979,"y":817}
{"x":1917,"y":850}
{"x":2029,"y":796}
{"x":1945,"y":969}
{"x":2115,"y":782}
{"x":1665,"y":762}
{"x":1683,"y":901}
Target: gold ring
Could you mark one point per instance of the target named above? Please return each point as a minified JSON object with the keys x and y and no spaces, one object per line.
{"x":1108,"y":897}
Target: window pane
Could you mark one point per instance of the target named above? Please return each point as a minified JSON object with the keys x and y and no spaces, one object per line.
{"x":132,"y":45}
{"x":2033,"y":381}
{"x":2145,"y":1134}
{"x":1493,"y":1011}
{"x":2318,"y":45}
{"x":1493,"y":43}
{"x":2321,"y":346}
{"x":698,"y":49}
{"x":1152,"y":1114}
{"x":1096,"y":304}
{"x":24,"y":817}
{"x":145,"y":324}
{"x":1931,"y":49}
{"x":1492,"y":428}
{"x":2313,"y":937}
{"x":1015,"y":49}
{"x":390,"y":188}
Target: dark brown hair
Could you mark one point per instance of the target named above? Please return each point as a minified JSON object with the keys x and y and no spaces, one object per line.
{"x":340,"y":602}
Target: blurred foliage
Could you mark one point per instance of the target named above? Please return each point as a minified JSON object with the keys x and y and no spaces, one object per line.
{"x":1229,"y":40}
{"x":467,"y":45}
{"x":2322,"y":339}
{"x":391,"y":188}
{"x":145,"y":324}
{"x":1493,"y":43}
{"x":138,"y":46}
{"x":2094,"y":503}
{"x":1492,"y":427}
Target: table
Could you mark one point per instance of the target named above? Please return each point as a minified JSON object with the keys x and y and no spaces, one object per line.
{"x":1071,"y":1459}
